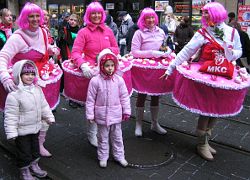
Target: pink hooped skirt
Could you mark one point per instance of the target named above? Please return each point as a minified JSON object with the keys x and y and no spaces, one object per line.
{"x":51,"y":90}
{"x":76,"y":85}
{"x":209,"y":95}
{"x":146,"y":74}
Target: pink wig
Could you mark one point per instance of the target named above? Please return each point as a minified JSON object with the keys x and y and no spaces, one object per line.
{"x":29,"y":8}
{"x":94,"y":7}
{"x":145,"y":13}
{"x":216,"y":11}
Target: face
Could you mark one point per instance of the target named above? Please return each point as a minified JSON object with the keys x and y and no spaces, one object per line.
{"x":28,"y":78}
{"x":150,"y":22}
{"x":73,"y":22}
{"x":109,"y":67}
{"x":96,"y":17}
{"x":206,"y":15}
{"x":46,"y":17}
{"x":34,"y":20}
{"x":7,"y":18}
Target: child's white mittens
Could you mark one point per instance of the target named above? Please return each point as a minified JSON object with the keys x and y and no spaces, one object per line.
{"x":50,"y":121}
{"x":86,"y":70}
{"x":228,"y":51}
{"x":157,"y":54}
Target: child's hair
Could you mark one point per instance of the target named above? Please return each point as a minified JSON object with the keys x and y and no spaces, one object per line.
{"x":94,"y":7}
{"x":29,"y":8}
{"x":216,"y":11}
{"x":145,"y":13}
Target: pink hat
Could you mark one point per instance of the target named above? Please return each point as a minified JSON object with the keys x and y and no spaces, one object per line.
{"x":28,"y":68}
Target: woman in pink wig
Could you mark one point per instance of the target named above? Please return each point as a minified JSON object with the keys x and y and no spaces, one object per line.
{"x":147,"y":68}
{"x":208,"y":93}
{"x":31,"y":42}
{"x":90,"y":41}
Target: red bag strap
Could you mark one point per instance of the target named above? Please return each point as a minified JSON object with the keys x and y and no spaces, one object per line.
{"x":44,"y":38}
{"x":203,"y":32}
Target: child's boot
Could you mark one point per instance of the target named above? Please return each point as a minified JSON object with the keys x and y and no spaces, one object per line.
{"x":43,"y":152}
{"x":203,"y":146}
{"x":103,"y":163}
{"x":155,"y":126}
{"x":123,"y":162}
{"x":36,"y":170}
{"x":25,"y":173}
{"x":91,"y":133}
{"x":138,"y":123}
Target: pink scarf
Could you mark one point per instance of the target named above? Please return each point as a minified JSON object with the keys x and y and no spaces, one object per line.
{"x":7,"y":29}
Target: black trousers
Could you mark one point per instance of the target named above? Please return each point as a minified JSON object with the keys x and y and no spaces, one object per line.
{"x":27,"y":149}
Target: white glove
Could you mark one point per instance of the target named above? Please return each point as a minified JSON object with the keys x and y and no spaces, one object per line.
{"x":228,"y":52}
{"x":167,"y":53}
{"x":9,"y":85}
{"x":157,"y":54}
{"x":86,"y":70}
{"x":56,"y":51}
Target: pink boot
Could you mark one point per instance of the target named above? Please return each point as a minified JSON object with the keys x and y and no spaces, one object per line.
{"x":36,"y":170}
{"x":43,"y":152}
{"x":25,"y":173}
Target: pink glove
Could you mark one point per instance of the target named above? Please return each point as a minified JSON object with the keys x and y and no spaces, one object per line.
{"x":125,"y":117}
{"x":9,"y":85}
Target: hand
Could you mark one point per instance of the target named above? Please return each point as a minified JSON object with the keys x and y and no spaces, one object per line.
{"x":86,"y":70}
{"x":125,"y":117}
{"x":56,"y":51}
{"x":9,"y":85}
{"x":157,"y":54}
{"x":228,"y":51}
{"x":164,"y":76}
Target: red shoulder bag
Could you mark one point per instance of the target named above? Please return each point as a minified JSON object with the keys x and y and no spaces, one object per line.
{"x":219,"y":66}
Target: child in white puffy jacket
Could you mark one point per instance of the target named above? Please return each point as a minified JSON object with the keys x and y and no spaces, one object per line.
{"x":108,"y":104}
{"x":24,"y":110}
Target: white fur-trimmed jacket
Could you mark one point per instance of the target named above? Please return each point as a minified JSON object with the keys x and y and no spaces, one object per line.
{"x":25,"y":108}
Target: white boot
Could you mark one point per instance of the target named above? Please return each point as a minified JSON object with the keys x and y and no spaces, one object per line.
{"x":91,"y":133}
{"x":155,"y":126}
{"x":103,"y":164}
{"x":138,"y":122}
{"x":123,"y":162}
{"x":212,"y":150}
{"x":203,"y":146}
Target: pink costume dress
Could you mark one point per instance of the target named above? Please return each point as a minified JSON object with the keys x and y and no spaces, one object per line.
{"x":90,"y":41}
{"x":49,"y":72}
{"x":146,"y":69}
{"x":206,"y":94}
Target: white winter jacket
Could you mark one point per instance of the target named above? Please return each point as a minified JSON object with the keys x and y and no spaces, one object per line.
{"x":25,"y":108}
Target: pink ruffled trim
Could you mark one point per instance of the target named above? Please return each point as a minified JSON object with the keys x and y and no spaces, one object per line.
{"x":150,"y":67}
{"x":55,"y":79}
{"x":197,"y":111}
{"x":216,"y":84}
{"x":151,"y":94}
{"x":74,"y":100}
{"x":57,"y":103}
